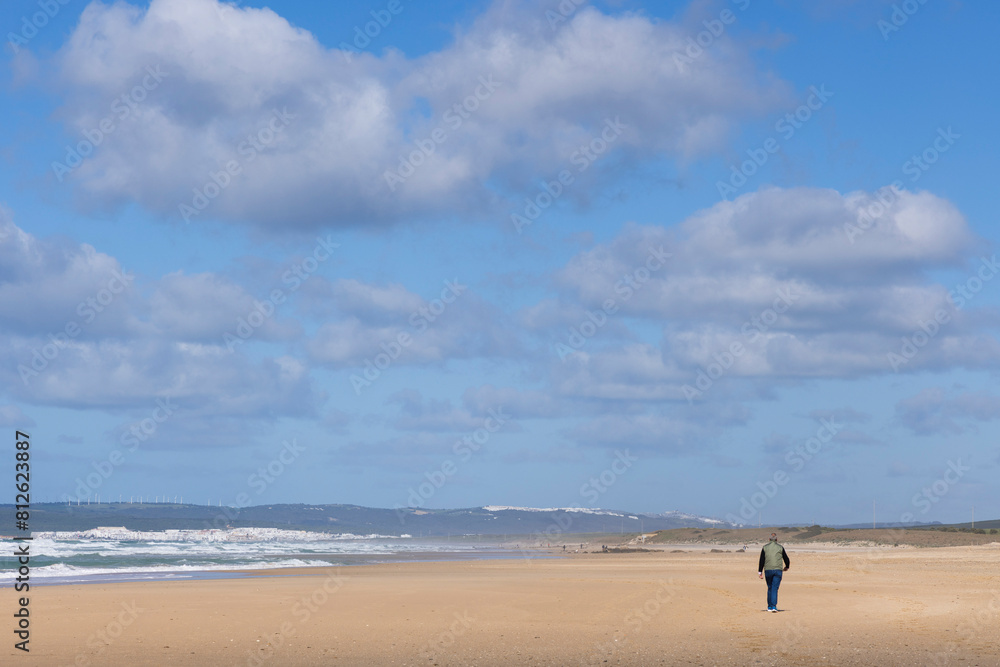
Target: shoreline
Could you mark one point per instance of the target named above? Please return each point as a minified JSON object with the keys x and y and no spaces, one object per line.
{"x":351,"y":560}
{"x":917,"y":606}
{"x":624,"y":549}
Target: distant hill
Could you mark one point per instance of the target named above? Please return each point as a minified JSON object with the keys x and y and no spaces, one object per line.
{"x":491,"y":520}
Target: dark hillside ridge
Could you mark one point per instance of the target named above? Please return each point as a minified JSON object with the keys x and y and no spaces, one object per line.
{"x":348,"y":519}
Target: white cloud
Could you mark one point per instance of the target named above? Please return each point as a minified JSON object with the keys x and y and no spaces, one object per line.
{"x":932,"y":411}
{"x":225,"y":72}
{"x":378,"y":302}
{"x":114,"y":374}
{"x":46,"y":284}
{"x":384,"y":318}
{"x":77,"y":330}
{"x":662,"y":433}
{"x":204,"y":307}
{"x":419,"y":414}
{"x":633,"y":372}
{"x":775,"y":272}
{"x":13,"y":416}
{"x":518,"y":403}
{"x":55,"y":286}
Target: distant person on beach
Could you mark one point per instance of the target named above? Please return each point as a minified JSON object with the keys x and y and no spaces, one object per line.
{"x":769,"y":568}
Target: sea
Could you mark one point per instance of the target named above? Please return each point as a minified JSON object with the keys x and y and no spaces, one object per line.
{"x":117,"y":555}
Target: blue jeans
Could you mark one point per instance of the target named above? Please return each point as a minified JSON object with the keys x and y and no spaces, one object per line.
{"x":773,"y":579}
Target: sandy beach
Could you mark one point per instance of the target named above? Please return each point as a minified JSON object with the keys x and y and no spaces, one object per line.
{"x":840,"y":607}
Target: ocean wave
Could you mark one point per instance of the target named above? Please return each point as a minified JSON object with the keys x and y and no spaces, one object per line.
{"x":64,"y":571}
{"x":109,"y":549}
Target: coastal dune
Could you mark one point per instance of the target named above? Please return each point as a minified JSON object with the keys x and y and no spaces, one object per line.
{"x":674,"y":606}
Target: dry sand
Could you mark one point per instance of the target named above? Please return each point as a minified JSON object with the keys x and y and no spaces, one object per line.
{"x":878,"y":607}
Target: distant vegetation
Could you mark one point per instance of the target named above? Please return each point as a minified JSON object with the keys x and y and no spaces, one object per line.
{"x":976,"y":531}
{"x":812,"y":531}
{"x":925,"y":536}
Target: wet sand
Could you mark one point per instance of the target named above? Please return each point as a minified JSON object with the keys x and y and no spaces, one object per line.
{"x":848,"y":607}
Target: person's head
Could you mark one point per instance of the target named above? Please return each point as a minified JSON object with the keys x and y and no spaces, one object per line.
{"x":774,"y":537}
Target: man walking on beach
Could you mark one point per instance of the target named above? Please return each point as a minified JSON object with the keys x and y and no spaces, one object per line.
{"x":772,"y":557}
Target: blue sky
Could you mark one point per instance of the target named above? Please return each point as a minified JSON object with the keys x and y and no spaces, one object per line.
{"x":746,"y":246}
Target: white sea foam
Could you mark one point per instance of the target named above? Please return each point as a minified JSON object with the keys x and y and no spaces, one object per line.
{"x":112,"y":552}
{"x":60,"y":549}
{"x":63,"y":571}
{"x":250,"y":534}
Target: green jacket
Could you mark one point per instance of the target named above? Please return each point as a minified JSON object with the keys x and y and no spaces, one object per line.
{"x":773,"y":557}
